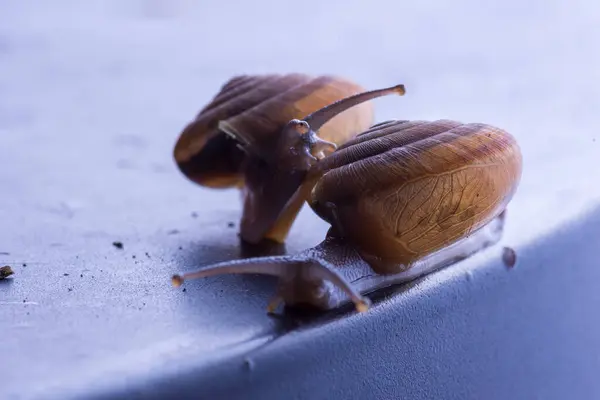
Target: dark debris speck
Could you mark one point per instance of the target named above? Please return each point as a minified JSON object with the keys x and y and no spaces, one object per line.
{"x":118,"y":245}
{"x":70,"y":289}
{"x":173,"y":232}
{"x":133,"y":256}
{"x":509,"y":257}
{"x":65,"y":274}
{"x":184,"y":290}
{"x":230,"y":224}
{"x":81,"y":275}
{"x":194,"y":215}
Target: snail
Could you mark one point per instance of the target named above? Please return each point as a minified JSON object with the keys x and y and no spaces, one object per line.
{"x":274,"y":121}
{"x":404,"y":198}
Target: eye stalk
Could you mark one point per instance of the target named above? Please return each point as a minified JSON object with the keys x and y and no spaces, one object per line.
{"x":301,"y":279}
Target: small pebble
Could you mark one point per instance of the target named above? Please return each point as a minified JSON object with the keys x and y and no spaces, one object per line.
{"x":5,"y":272}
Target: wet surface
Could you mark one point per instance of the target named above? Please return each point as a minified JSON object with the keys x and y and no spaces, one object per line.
{"x":93,"y":96}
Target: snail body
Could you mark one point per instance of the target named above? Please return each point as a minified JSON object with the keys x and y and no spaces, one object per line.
{"x":403,"y":198}
{"x":271,"y":150}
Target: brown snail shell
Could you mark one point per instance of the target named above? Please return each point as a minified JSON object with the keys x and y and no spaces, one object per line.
{"x":406,"y":189}
{"x":260,"y":106}
{"x":404,"y":198}
{"x":274,"y":144}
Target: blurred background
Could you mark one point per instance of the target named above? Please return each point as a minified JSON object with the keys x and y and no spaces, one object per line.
{"x":113,"y":83}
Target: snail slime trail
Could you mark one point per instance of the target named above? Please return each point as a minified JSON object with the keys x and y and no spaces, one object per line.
{"x":404,"y":199}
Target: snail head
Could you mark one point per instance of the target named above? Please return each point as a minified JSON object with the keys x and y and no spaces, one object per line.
{"x":300,"y":147}
{"x":274,"y":178}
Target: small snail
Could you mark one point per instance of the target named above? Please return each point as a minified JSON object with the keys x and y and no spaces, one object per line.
{"x":403,"y":199}
{"x":273,"y":147}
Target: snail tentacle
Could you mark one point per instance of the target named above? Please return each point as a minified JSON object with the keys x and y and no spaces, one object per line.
{"x":322,"y":116}
{"x":273,"y":266}
{"x":296,"y":274}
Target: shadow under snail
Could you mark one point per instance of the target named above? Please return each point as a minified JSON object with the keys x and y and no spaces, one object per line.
{"x":269,"y":116}
{"x":403,"y":198}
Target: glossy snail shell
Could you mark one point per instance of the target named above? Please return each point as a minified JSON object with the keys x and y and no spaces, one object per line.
{"x":260,"y":106}
{"x":405,"y":189}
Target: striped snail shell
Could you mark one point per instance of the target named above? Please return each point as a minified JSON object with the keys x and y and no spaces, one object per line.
{"x":404,"y":198}
{"x":273,"y":146}
{"x":406,"y":189}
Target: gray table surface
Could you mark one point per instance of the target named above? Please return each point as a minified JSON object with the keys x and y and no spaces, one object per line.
{"x":93,"y":96}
